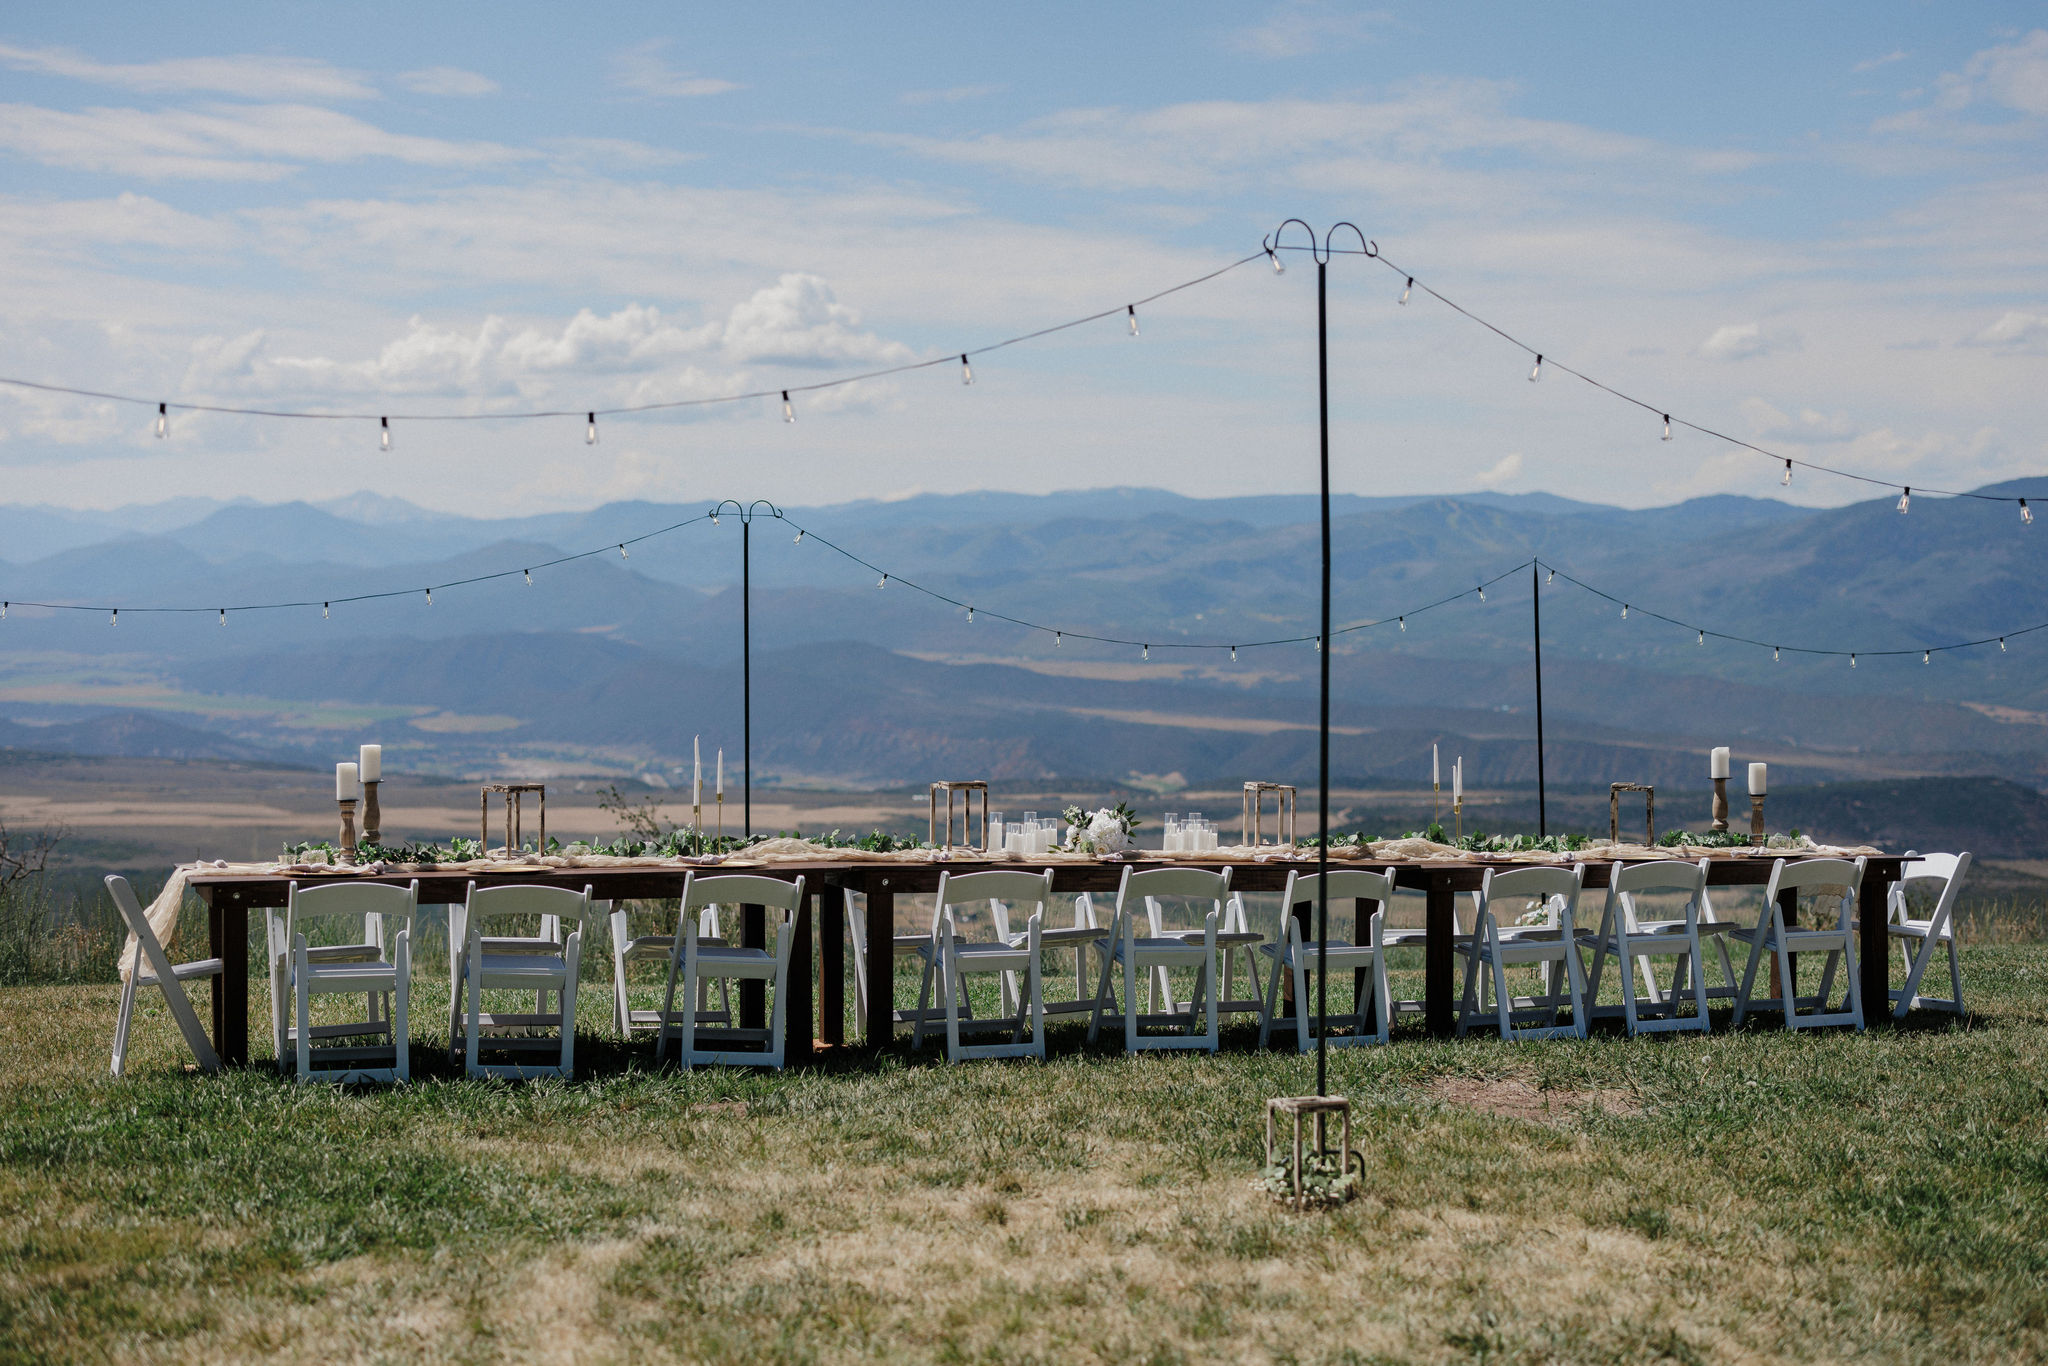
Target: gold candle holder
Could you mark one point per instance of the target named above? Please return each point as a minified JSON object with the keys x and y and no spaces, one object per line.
{"x":697,"y":824}
{"x":721,"y":816}
{"x":1458,"y":817}
{"x":373,"y":817}
{"x":1436,"y":801}
{"x":1720,"y":824}
{"x":1756,"y":819}
{"x":348,"y":829}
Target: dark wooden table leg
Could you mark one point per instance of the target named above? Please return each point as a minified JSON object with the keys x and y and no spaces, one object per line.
{"x":1873,"y":946}
{"x":754,"y":994}
{"x":881,"y":960}
{"x":831,"y":922}
{"x":227,"y":938}
{"x":798,"y":1017}
{"x":1785,"y":971}
{"x":1439,"y":965}
{"x":1361,"y":933}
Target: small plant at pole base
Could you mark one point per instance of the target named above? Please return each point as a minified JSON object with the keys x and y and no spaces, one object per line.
{"x":1327,"y":1180}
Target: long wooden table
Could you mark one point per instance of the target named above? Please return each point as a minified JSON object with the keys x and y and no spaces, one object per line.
{"x":817,"y":1005}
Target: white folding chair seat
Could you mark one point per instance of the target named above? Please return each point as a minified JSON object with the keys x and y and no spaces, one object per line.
{"x":150,"y":966}
{"x":1151,"y":957}
{"x":1819,"y":877}
{"x":520,"y":963}
{"x":628,"y":949}
{"x":1364,"y":963}
{"x":1934,"y":933}
{"x":1633,"y":941}
{"x":1495,"y":947}
{"x":949,"y":960}
{"x":377,"y":967}
{"x":694,"y":961}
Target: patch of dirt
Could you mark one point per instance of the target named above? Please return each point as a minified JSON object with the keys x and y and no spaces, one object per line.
{"x":1521,"y":1100}
{"x":736,"y":1108}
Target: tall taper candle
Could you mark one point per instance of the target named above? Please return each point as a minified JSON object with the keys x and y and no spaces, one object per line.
{"x":721,"y":775}
{"x":1458,"y":779}
{"x":1435,"y":771}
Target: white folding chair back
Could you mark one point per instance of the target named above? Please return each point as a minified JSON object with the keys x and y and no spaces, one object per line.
{"x":1153,"y":956}
{"x":694,"y":960}
{"x":1501,"y":940}
{"x":949,"y":960}
{"x":152,"y":967}
{"x":1236,"y":942}
{"x":1364,"y":961}
{"x":516,"y":962}
{"x":628,"y":948}
{"x":374,"y":960}
{"x":1937,"y":931}
{"x":1775,"y":934}
{"x":1633,"y":940}
{"x":1085,"y":934}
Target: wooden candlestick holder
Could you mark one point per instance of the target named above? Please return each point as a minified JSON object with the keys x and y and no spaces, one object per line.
{"x":373,"y":817}
{"x":1756,"y":819}
{"x":348,"y":829}
{"x":1720,"y":825}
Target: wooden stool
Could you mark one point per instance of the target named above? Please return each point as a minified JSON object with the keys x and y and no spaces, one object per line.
{"x":1319,"y":1108}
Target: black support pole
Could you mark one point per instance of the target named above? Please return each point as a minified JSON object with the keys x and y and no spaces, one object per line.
{"x":1536,"y":635}
{"x":1323,"y":728}
{"x":747,"y":670}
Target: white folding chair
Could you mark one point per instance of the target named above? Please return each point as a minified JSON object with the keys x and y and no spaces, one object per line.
{"x":375,"y":963}
{"x":513,"y":962}
{"x":1417,"y":937}
{"x":1937,"y":931}
{"x":1820,"y":878}
{"x":628,"y":949}
{"x":1551,"y":897}
{"x":1156,"y":954}
{"x":949,"y":959}
{"x":693,"y":960}
{"x":900,"y":946}
{"x":1344,"y":957}
{"x":152,"y":967}
{"x":1633,"y":940}
{"x":1084,"y":934}
{"x":1236,"y":942}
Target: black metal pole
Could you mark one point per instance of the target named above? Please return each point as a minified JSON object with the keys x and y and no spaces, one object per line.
{"x":1323,"y":730}
{"x":747,"y":670}
{"x":1536,"y":632}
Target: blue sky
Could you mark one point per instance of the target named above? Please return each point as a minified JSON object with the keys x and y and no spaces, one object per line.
{"x":1817,"y":227}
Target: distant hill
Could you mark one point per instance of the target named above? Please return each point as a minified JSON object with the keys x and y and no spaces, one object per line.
{"x":137,"y":735}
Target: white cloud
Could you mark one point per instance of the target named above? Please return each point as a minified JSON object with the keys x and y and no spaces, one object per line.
{"x":951,"y":95}
{"x":1769,"y":423}
{"x":2014,"y":75}
{"x":1896,"y":55}
{"x":447,"y":80}
{"x":1745,"y":341}
{"x":220,"y":142}
{"x":1301,"y":27}
{"x":257,"y":77}
{"x":2028,"y":331}
{"x":643,"y":71}
{"x":798,"y":320}
{"x":1502,"y":471}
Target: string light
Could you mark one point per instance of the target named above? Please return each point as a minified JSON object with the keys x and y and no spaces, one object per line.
{"x":223,"y":616}
{"x":1406,"y":290}
{"x":884,"y":582}
{"x":1906,"y":500}
{"x":1852,"y":661}
{"x":384,"y":433}
{"x":1703,"y":637}
{"x":1056,"y":636}
{"x":799,"y":537}
{"x":1536,"y":370}
{"x":529,"y":577}
{"x":1774,"y":654}
{"x":1233,"y":650}
{"x":1787,"y":480}
{"x":1624,"y":611}
{"x":1319,"y":644}
{"x":622,"y":553}
{"x":1482,"y":592}
{"x":163,"y":420}
{"x":114,"y":617}
{"x":1403,"y":621}
{"x":1552,"y":578}
{"x":325,"y":613}
{"x":1927,"y":656}
{"x":2026,"y":513}
{"x":966,"y":370}
{"x":2001,"y":645}
{"x":970,"y":616}
{"x":1132,"y":311}
{"x":1274,"y":257}
{"x":590,"y":433}
{"x":3,"y":611}
{"x":1148,"y":652}
{"x":788,"y":411}
{"x":430,"y":597}
{"x":1667,"y":426}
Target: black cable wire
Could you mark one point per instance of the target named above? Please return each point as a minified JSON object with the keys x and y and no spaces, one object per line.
{"x":784,"y":390}
{"x":1547,"y":358}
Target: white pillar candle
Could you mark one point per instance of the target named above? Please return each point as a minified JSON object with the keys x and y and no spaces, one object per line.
{"x":1436,"y":777}
{"x":346,"y":786}
{"x":696,"y":770}
{"x":371,"y":768}
{"x":1717,"y":762}
{"x":1757,"y":774}
{"x":721,"y":773}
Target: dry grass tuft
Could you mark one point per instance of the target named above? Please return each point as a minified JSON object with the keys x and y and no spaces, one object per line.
{"x":1513,"y":1099}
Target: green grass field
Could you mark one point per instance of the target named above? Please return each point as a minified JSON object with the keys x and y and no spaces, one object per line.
{"x":1750,"y":1195}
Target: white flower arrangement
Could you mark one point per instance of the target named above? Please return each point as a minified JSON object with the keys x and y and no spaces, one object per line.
{"x":1105,"y":830}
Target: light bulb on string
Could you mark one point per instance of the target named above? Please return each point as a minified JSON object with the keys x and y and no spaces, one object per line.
{"x":1787,"y":480}
{"x":966,"y":370}
{"x":1148,"y":652}
{"x":799,"y":537}
{"x":1319,"y":644}
{"x":1406,"y":290}
{"x":1927,"y":656}
{"x":163,"y":420}
{"x":622,"y":553}
{"x":883,"y":582}
{"x":1624,"y":611}
{"x":3,"y":611}
{"x":383,"y":433}
{"x":223,"y":616}
{"x":1703,"y":637}
{"x":326,"y":610}
{"x":1536,"y":370}
{"x":1774,"y":654}
{"x":2001,"y":645}
{"x":1667,"y":426}
{"x":1402,"y":622}
{"x":1852,"y":661}
{"x":1552,"y":578}
{"x":1906,"y":500}
{"x":529,"y":577}
{"x":1233,"y":654}
{"x":1274,"y":257}
{"x":114,"y":617}
{"x":430,"y":597}
{"x":1482,"y":592}
{"x":590,"y":432}
{"x":1131,"y":311}
{"x":788,"y":411}
{"x":1056,"y":639}
{"x":2026,"y":513}
{"x":970,"y":616}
